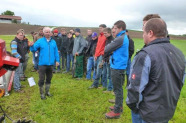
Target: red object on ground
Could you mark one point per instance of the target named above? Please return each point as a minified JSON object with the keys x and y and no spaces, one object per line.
{"x":6,"y":62}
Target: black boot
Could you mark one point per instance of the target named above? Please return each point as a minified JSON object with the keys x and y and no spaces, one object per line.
{"x":47,"y":93}
{"x":41,"y":89}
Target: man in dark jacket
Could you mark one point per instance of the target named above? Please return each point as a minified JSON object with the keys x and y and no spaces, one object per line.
{"x":131,"y":52}
{"x":157,"y":76}
{"x":18,"y":51}
{"x":69,"y":48}
{"x":63,"y":47}
{"x":90,"y":53}
{"x":58,"y":42}
{"x":106,"y":66}
{"x":118,"y":64}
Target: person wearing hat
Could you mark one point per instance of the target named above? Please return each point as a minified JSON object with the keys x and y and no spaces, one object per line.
{"x":58,"y":40}
{"x":90,"y":53}
{"x":99,"y":52}
{"x":79,"y":45}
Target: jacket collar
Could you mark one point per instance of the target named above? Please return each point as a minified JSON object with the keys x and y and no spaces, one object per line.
{"x":101,"y":34}
{"x":120,"y":33}
{"x":158,"y":40}
{"x":46,"y":39}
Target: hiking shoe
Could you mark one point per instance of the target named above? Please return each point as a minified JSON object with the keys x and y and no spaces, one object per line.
{"x":19,"y":91}
{"x":107,"y":91}
{"x":34,"y":70}
{"x":100,"y":87}
{"x":112,"y":108}
{"x":112,"y":115}
{"x":22,"y":79}
{"x":111,"y":100}
{"x":104,"y":89}
{"x":92,"y":87}
{"x":22,"y":86}
{"x":43,"y":97}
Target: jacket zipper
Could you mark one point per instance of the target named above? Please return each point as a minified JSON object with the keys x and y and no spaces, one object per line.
{"x":49,"y":52}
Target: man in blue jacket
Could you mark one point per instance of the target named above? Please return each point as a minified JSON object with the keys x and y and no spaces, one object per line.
{"x":48,"y":55}
{"x":118,"y":63}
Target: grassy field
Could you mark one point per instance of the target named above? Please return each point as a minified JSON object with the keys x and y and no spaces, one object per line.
{"x":72,"y":102}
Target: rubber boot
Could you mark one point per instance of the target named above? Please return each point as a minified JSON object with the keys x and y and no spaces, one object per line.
{"x":41,"y":89}
{"x":47,"y":88}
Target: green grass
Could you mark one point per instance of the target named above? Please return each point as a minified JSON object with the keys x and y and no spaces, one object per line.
{"x":72,"y":102}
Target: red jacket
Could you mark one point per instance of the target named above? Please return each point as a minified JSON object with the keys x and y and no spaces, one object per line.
{"x":100,"y":45}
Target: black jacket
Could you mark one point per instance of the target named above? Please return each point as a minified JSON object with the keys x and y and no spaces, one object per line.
{"x":108,"y":41}
{"x":58,"y":40}
{"x":70,"y":45}
{"x":156,"y":81}
{"x":22,"y":48}
{"x":63,"y":44}
{"x":90,"y":51}
{"x":131,"y":47}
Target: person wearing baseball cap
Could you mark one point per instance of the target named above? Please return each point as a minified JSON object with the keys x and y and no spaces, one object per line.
{"x":58,"y":40}
{"x":90,"y":53}
{"x":79,"y":45}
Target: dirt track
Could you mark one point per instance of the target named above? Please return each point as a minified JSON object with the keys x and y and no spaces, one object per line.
{"x":10,"y":29}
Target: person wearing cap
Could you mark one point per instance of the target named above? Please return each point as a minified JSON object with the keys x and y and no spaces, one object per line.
{"x":58,"y":40}
{"x":48,"y":57}
{"x":90,"y":51}
{"x":79,"y":45}
{"x":98,"y":56}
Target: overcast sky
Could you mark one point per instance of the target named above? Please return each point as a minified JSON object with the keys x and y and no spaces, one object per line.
{"x":85,"y":13}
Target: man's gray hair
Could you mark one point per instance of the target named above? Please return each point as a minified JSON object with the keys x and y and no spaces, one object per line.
{"x":46,"y":28}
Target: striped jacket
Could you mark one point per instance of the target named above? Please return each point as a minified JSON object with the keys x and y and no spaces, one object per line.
{"x":17,"y":49}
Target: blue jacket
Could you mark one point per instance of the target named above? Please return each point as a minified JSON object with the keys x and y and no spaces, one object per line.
{"x":48,"y":51}
{"x":120,"y":49}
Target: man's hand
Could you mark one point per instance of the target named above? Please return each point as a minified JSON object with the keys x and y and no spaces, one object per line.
{"x":57,"y":63}
{"x":95,"y":58}
{"x":30,"y":43}
{"x":76,"y":54}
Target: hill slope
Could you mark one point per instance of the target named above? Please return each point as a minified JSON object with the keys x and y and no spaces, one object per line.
{"x":10,"y":29}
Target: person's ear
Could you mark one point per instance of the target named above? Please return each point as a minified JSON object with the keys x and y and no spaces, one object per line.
{"x":151,"y":33}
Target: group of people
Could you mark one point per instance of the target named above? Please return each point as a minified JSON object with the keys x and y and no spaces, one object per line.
{"x":154,"y":78}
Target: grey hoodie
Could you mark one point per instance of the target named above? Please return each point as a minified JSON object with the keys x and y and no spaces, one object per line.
{"x":79,"y":45}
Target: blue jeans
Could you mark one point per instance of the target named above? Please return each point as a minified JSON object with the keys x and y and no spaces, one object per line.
{"x":128,"y":70}
{"x":58,"y":67}
{"x":98,"y":71}
{"x":63,"y":58}
{"x":136,"y":118}
{"x":90,"y":65}
{"x":104,"y":75}
{"x":70,"y":59}
{"x":128,"y":66}
{"x":110,"y":84}
{"x":17,"y":84}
